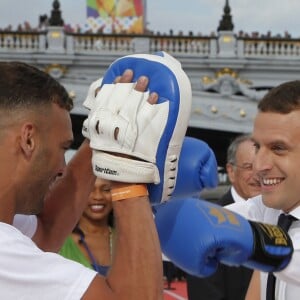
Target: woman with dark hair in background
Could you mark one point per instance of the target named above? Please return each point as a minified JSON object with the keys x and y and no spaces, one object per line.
{"x":91,"y":242}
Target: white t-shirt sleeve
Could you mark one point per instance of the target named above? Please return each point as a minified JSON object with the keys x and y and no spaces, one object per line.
{"x":27,"y":224}
{"x":28,"y":273}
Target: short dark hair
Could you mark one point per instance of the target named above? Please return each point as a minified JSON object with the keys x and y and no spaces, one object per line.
{"x":282,"y":99}
{"x":24,"y":86}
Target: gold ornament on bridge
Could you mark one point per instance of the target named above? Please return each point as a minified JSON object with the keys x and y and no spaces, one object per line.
{"x":197,"y":111}
{"x":56,"y":70}
{"x":226,"y":71}
{"x":55,"y":34}
{"x":214,"y":109}
{"x":242,"y":113}
{"x":208,"y":80}
{"x":72,"y":95}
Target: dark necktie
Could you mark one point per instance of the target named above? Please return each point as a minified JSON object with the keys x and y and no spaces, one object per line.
{"x":285,"y":222}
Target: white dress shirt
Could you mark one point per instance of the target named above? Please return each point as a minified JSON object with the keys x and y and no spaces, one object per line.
{"x":288,"y":280}
{"x":236,"y":197}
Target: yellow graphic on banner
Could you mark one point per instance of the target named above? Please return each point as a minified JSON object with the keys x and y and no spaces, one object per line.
{"x":116,"y":16}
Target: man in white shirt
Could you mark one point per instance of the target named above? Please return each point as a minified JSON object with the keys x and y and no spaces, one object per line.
{"x":35,"y":132}
{"x":253,"y":236}
{"x":276,"y":137}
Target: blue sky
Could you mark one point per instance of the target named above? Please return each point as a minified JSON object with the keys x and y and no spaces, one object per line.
{"x":162,"y":15}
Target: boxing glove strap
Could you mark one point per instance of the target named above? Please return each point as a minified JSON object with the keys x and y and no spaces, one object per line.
{"x":273,"y":247}
{"x":129,"y":191}
{"x":123,"y":169}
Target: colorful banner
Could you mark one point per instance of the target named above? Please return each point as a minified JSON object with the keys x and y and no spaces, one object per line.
{"x":115,"y":16}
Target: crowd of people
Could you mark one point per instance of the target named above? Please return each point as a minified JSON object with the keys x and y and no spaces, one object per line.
{"x":85,"y":29}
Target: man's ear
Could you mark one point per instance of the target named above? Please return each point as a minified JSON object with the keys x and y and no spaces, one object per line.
{"x":28,"y":136}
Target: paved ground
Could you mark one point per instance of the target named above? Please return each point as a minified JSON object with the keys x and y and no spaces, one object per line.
{"x":178,"y":291}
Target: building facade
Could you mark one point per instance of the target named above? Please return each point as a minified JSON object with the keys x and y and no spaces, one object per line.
{"x":229,"y":72}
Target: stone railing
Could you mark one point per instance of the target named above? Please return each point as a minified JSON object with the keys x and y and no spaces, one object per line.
{"x":22,"y":41}
{"x":199,"y":46}
{"x":95,"y":44}
{"x":263,"y":48}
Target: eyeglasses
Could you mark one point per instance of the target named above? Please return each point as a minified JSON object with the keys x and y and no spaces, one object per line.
{"x":246,"y":166}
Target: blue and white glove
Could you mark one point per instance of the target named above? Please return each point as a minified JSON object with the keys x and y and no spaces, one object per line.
{"x":198,"y":235}
{"x":197,"y":169}
{"x":149,"y":135}
{"x":89,"y":103}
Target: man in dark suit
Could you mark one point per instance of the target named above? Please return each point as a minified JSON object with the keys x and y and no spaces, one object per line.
{"x":230,"y":283}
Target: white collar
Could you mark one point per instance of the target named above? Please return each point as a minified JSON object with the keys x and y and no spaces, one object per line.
{"x":236,"y":197}
{"x":295,"y":212}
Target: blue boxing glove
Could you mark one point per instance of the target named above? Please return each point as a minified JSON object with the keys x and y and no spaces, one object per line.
{"x":197,"y":168}
{"x":197,"y":235}
{"x":149,"y":137}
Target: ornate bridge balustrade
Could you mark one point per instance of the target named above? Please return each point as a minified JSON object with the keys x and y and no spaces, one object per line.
{"x":283,"y":48}
{"x":23,"y":41}
{"x":96,"y":44}
{"x":200,"y":46}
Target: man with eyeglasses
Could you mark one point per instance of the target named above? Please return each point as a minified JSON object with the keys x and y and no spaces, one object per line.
{"x":240,"y":155}
{"x":231,"y":283}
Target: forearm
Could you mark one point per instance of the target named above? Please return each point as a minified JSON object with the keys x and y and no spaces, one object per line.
{"x":64,"y":205}
{"x":137,"y":267}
